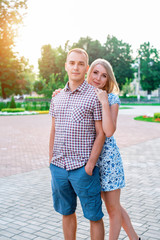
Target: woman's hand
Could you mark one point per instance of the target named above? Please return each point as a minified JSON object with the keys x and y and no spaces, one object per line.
{"x":56,"y":92}
{"x":102,"y":95}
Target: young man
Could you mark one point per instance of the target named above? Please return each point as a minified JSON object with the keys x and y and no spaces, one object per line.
{"x":76,"y":140}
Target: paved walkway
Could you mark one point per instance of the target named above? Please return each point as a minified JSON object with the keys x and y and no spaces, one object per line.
{"x":25,"y":195}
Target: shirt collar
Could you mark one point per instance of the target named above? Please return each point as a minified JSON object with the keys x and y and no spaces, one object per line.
{"x":79,"y":89}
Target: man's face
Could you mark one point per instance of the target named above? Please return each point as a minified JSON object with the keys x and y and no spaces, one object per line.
{"x":76,"y":66}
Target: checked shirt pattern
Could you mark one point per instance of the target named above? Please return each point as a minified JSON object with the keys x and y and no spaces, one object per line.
{"x":75,"y":114}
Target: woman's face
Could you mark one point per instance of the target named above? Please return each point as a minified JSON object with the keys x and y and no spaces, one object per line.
{"x":98,"y":76}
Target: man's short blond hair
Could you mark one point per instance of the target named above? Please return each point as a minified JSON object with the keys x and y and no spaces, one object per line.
{"x":81,"y":51}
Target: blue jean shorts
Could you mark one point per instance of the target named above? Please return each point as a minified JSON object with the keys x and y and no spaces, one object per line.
{"x":67,"y":185}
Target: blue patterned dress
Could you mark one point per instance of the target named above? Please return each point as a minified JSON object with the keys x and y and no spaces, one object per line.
{"x":110,"y":161}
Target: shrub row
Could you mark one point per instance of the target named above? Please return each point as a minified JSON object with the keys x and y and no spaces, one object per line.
{"x":156,"y":115}
{"x":29,"y":106}
{"x":12,"y":110}
{"x":132,"y":97}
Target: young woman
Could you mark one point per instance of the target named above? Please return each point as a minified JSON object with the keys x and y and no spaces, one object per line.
{"x":101,"y":76}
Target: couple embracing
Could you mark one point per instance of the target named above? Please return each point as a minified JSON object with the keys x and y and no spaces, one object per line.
{"x":83,"y":156}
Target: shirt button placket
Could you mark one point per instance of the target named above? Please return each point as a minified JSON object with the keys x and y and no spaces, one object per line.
{"x":66,"y":123}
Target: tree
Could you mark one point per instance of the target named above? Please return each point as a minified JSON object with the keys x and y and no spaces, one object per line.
{"x":60,"y":60}
{"x":47,"y":63}
{"x":149,"y":67}
{"x":39,"y":85}
{"x":118,"y":54}
{"x":127,"y":88}
{"x":52,"y":69}
{"x":17,"y":77}
{"x":28,"y":75}
{"x":12,"y":103}
{"x":11,"y":16}
{"x":93,"y":47}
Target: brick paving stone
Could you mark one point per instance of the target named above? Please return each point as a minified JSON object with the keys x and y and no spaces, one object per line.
{"x":4,"y":238}
{"x":25,"y":193}
{"x":20,"y":237}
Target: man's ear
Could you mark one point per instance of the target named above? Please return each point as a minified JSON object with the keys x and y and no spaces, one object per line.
{"x":87,"y":68}
{"x":66,"y":67}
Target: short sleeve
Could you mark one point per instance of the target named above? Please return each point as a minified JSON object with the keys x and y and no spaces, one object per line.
{"x":51,"y":109}
{"x":113,"y":99}
{"x":97,"y":110}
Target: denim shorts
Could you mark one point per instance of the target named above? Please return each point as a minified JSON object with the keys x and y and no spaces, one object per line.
{"x":67,"y":185}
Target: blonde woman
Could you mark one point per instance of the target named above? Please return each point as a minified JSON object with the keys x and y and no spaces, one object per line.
{"x":101,"y":76}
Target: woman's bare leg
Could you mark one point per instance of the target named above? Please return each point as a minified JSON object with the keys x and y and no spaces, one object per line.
{"x":127,"y":225}
{"x":112,"y":202}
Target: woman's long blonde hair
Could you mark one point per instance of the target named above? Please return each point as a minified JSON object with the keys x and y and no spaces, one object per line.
{"x":111,"y":84}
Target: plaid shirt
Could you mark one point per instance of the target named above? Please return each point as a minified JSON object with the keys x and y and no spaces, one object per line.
{"x":75,"y":114}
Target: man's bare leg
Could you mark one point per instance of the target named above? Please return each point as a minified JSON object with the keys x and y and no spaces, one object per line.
{"x":69,"y":226}
{"x":97,"y":230}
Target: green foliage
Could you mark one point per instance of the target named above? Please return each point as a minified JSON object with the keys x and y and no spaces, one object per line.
{"x":53,"y":84}
{"x":127,"y":89}
{"x":36,"y":106}
{"x":131,"y":97}
{"x":118,"y":54}
{"x":149,"y":67}
{"x":156,"y":115}
{"x":52,"y":61}
{"x":12,"y":110}
{"x":12,"y":103}
{"x":4,"y":105}
{"x":12,"y":78}
{"x":125,"y":108}
{"x":94,"y":48}
{"x":140,"y":104}
{"x":115,"y":51}
{"x":47,"y":62}
{"x":39,"y":85}
{"x":28,"y":106}
{"x":33,"y":98}
{"x":16,"y":77}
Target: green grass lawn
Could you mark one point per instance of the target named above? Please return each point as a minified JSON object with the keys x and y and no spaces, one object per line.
{"x":125,"y":108}
{"x":141,"y":104}
{"x":147,"y":119}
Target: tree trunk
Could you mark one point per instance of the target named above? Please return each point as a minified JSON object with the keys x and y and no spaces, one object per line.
{"x":3,"y":91}
{"x":149,"y":94}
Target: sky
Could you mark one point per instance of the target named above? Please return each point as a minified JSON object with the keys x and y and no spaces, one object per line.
{"x":56,"y":21}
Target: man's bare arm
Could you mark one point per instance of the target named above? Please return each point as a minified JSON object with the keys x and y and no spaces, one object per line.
{"x":51,"y":140}
{"x":96,"y":149}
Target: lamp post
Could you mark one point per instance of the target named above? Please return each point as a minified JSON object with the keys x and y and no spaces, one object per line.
{"x":139,"y":78}
{"x":159,"y":93}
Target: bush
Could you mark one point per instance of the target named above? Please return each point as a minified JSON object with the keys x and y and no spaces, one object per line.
{"x":3,"y":105}
{"x":12,"y":110}
{"x":29,"y":105}
{"x":132,"y":97}
{"x":156,"y":115}
{"x":12,"y":103}
{"x":31,"y":97}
